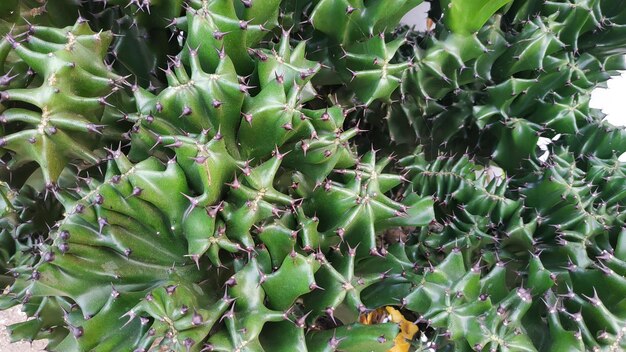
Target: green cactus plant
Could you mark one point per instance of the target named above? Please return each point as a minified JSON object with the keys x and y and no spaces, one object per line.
{"x":265,"y":175}
{"x":70,"y":114}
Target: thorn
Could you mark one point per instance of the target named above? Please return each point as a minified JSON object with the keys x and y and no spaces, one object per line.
{"x":188,"y":343}
{"x":334,"y":341}
{"x":314,"y":286}
{"x":196,"y":319}
{"x":171,"y":289}
{"x":230,"y":314}
{"x":330,"y":311}
{"x":102,"y":222}
{"x":301,"y":322}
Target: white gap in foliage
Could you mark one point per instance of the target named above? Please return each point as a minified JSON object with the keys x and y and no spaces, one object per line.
{"x":417,"y":17}
{"x":611,"y":101}
{"x":543,"y":144}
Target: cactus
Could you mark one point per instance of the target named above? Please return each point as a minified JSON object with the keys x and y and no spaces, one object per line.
{"x":514,"y":79}
{"x":273,"y":175}
{"x":71,"y":116}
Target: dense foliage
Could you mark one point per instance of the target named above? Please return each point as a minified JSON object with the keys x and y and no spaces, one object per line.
{"x":309,"y":175}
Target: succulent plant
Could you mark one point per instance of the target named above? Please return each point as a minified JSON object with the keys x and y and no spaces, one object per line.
{"x":525,"y":74}
{"x":71,"y":116}
{"x":264,"y":175}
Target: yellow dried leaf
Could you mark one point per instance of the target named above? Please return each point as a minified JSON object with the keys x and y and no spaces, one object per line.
{"x":407,"y":328}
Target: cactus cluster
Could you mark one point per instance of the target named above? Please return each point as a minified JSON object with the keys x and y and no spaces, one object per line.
{"x":266,"y":175}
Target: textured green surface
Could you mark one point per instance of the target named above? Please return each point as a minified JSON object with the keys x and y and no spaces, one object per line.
{"x":255,"y":175}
